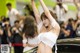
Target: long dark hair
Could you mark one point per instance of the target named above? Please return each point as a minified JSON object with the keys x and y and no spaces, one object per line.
{"x":29,"y":28}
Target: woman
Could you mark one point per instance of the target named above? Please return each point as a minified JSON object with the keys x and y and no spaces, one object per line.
{"x":29,"y":39}
{"x":48,"y":28}
{"x":30,"y":33}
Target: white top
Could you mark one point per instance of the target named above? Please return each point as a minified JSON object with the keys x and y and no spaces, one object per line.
{"x":32,"y":41}
{"x":12,"y":15}
{"x":48,"y":38}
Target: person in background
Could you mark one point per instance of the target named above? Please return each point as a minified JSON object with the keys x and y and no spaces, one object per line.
{"x":5,"y":26}
{"x":2,"y":17}
{"x":28,"y":10}
{"x":61,"y":10}
{"x":78,"y":31}
{"x":68,"y":29}
{"x":12,"y":13}
{"x":16,"y":38}
{"x":1,"y":33}
{"x":62,"y":34}
{"x":77,"y":27}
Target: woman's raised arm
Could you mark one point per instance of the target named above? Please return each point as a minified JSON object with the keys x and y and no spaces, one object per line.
{"x":49,"y":16}
{"x":36,"y":13}
{"x":46,"y":11}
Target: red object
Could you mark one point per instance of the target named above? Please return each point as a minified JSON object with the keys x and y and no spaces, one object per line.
{"x":17,"y":44}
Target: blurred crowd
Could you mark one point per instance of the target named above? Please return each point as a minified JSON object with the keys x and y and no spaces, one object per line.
{"x":11,"y":29}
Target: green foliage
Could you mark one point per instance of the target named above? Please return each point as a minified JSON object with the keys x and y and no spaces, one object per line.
{"x":3,"y":9}
{"x":73,"y":8}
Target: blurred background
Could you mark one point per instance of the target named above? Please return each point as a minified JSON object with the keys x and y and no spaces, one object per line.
{"x":68,"y":17}
{"x":20,"y":4}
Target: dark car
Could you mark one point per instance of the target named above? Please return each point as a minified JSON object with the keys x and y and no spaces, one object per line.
{"x":70,"y":45}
